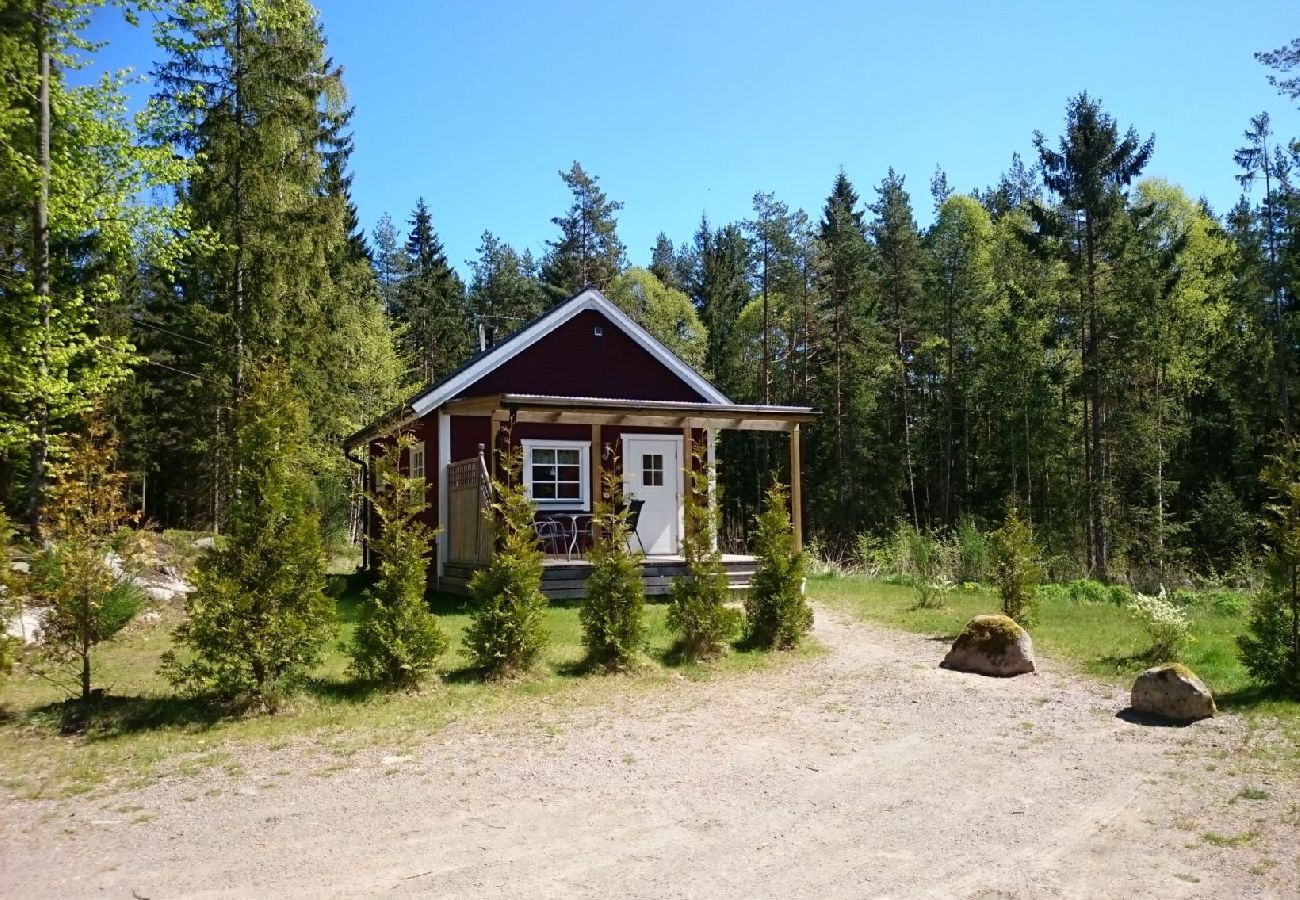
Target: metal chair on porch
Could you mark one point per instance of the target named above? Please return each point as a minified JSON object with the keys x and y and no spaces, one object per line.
{"x":585,"y":533}
{"x":550,"y":534}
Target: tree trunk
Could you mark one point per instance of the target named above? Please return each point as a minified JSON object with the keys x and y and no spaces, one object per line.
{"x":40,"y":448}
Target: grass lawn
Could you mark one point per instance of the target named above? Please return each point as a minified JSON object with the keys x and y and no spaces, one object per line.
{"x":142,"y":730}
{"x":1102,"y":639}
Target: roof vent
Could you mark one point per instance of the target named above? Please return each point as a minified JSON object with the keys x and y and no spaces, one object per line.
{"x":598,"y":331}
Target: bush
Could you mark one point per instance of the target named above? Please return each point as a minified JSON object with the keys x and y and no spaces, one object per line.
{"x":698,"y":611}
{"x":1165,"y":624}
{"x":258,"y":616}
{"x":1015,"y":568}
{"x":507,"y":634}
{"x":398,"y":640}
{"x":926,"y":559}
{"x":777,"y":615}
{"x":613,"y":626}
{"x":1228,"y":603}
{"x":83,"y":597}
{"x":1270,"y":648}
{"x":1119,"y":595}
{"x":973,"y":552}
{"x":1084,"y":590}
{"x":1052,"y":593}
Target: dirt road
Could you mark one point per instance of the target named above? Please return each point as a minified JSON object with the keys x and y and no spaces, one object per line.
{"x":866,"y":772}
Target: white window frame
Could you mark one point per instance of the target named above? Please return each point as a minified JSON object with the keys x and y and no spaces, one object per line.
{"x":583,"y":502}
{"x":417,"y":450}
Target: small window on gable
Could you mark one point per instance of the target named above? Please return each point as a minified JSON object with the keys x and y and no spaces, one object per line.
{"x":417,"y":460}
{"x":652,"y":469}
{"x":558,"y":473}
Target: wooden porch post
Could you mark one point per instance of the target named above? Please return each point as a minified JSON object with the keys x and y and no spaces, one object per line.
{"x":796,"y":491}
{"x":494,"y":443}
{"x":597,"y":479}
{"x":688,"y":470}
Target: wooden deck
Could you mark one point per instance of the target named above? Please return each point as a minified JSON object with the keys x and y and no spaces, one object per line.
{"x":564,"y":579}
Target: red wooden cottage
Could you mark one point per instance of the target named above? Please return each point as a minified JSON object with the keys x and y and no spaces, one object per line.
{"x":581,"y":385}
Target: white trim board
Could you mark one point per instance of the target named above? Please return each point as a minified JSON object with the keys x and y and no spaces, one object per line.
{"x":590,"y":299}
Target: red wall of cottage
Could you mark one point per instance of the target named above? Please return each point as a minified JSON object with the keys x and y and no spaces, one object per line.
{"x":572,"y":361}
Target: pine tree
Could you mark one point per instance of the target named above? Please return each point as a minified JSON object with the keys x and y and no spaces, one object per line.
{"x":259,"y":617}
{"x":390,"y":263}
{"x":664,"y":263}
{"x":398,"y":641}
{"x":588,"y":250}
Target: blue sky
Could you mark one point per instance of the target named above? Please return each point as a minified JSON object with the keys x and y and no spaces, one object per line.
{"x":684,"y":108}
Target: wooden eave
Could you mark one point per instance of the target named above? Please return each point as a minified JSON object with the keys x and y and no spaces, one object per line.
{"x":650,"y":413}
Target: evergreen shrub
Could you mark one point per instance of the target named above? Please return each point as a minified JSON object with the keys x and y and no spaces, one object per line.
{"x":612,"y":614}
{"x":776,"y":611}
{"x":398,"y":640}
{"x":506,"y":634}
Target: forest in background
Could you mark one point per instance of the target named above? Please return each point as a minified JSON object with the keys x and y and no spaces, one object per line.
{"x":1079,"y":338}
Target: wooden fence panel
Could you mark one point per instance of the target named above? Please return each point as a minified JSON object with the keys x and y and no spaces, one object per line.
{"x":469,"y":527}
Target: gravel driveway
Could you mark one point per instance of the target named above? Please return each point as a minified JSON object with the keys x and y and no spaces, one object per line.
{"x":864,"y":772}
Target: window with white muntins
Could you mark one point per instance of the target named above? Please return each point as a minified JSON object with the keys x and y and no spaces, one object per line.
{"x":557,"y":474}
{"x":417,"y":460}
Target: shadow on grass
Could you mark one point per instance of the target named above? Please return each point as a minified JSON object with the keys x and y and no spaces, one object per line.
{"x":1249,"y":697}
{"x":111,"y":716}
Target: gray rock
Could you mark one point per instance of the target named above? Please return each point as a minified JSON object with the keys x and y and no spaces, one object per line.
{"x":1172,"y":691}
{"x":205,"y":543}
{"x":159,"y":594}
{"x":992,"y":645}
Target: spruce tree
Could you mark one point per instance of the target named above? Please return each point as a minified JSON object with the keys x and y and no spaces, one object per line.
{"x":504,"y":293}
{"x":248,"y":88}
{"x":588,"y":250}
{"x":259,"y":617}
{"x":1090,"y":172}
{"x":431,"y":303}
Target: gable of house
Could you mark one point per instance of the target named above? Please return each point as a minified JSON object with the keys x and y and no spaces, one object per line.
{"x":585,"y":347}
{"x":587,"y":356}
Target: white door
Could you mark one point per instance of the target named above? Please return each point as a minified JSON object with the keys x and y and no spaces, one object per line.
{"x":652,"y":471}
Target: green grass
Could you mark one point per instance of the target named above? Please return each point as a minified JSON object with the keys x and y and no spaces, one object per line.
{"x":1102,"y":639}
{"x":142,"y":730}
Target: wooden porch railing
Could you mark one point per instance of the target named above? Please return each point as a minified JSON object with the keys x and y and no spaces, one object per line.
{"x":469,"y":501}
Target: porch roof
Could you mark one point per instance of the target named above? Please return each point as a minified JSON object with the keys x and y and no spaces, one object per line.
{"x":658,"y":413}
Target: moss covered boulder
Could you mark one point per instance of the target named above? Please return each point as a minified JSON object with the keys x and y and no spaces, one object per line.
{"x":1172,"y":691}
{"x":992,"y":645}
